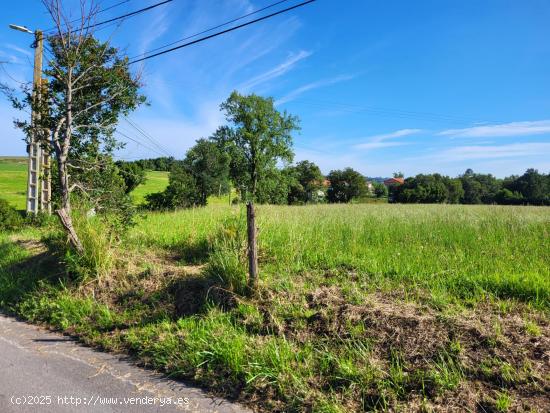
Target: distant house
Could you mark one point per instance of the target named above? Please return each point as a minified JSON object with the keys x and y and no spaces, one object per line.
{"x":370,"y":187}
{"x":394,"y":181}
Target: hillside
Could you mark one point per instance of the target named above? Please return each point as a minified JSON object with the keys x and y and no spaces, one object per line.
{"x":13,"y":182}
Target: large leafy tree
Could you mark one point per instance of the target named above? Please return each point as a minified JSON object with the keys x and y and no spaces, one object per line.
{"x":345,"y":185}
{"x":258,"y":137}
{"x":533,"y":186}
{"x":203,"y":172}
{"x":209,"y":167}
{"x":89,"y":85}
{"x":479,"y":188}
{"x":307,"y":185}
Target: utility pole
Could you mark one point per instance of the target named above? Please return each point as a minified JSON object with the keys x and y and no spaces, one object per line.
{"x":45,"y":175}
{"x":39,"y":177}
{"x":35,"y":147}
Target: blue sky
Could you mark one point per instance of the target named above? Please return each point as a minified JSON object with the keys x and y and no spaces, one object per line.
{"x":381,"y":86}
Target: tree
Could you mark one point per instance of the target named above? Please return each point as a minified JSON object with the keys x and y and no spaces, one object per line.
{"x":306,"y":183}
{"x":380,"y":190}
{"x":533,"y":187}
{"x":398,"y":174}
{"x":479,"y":188}
{"x":89,"y":86}
{"x":428,"y":188}
{"x":455,"y":190}
{"x":507,"y":197}
{"x":345,"y":185}
{"x":257,"y":140}
{"x":132,"y":173}
{"x":203,"y":172}
{"x":209,"y":168}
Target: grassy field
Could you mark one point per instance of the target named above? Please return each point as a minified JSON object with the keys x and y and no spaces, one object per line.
{"x":157,"y":181}
{"x":13,"y":180}
{"x":361,"y":307}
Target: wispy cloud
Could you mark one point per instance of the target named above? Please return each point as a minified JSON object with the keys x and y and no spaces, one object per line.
{"x":515,"y":150}
{"x":380,"y":141}
{"x":157,"y":27}
{"x":310,"y":86}
{"x":502,"y":130}
{"x":19,"y":49}
{"x":278,"y":71}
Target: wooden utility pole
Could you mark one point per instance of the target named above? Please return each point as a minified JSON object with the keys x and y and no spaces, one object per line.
{"x":35,"y":147}
{"x":252,"y":248}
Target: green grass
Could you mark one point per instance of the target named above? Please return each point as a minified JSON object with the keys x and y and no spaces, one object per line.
{"x":157,"y":181}
{"x":451,"y":251}
{"x":365,"y":307}
{"x":13,"y":180}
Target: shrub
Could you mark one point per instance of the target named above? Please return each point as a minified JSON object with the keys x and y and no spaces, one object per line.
{"x":9,"y":217}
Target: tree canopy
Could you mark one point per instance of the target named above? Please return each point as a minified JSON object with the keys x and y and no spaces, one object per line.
{"x":258,"y":138}
{"x":345,"y":185}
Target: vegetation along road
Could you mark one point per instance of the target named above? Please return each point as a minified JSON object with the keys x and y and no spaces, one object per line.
{"x":47,"y":372}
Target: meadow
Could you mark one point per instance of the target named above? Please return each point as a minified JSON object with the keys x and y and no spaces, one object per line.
{"x":361,"y":307}
{"x":365,"y":307}
{"x":13,"y":180}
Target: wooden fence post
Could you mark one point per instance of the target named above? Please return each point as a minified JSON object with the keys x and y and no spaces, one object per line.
{"x":252,"y":248}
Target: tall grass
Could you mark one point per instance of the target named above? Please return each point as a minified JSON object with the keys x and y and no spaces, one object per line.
{"x":449,"y":250}
{"x":284,"y":348}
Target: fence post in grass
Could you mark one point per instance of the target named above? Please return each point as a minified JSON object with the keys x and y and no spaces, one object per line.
{"x":252,"y":248}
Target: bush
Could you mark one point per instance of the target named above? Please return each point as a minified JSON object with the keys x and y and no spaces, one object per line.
{"x":10,"y":219}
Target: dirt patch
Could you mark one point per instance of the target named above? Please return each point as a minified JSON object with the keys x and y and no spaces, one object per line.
{"x":33,"y":246}
{"x":502,"y":356}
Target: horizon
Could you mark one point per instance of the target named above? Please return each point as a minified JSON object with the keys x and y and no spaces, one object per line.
{"x":417,"y":88}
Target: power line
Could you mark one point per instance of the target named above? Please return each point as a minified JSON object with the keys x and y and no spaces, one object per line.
{"x":127,"y":15}
{"x":100,"y":11}
{"x":211,"y":28}
{"x":223,"y":32}
{"x":147,"y":136}
{"x":139,"y":143}
{"x":130,"y":14}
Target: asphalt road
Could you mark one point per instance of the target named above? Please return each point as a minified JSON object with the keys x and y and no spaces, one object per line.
{"x":41,"y":371}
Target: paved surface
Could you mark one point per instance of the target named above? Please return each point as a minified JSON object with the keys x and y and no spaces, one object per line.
{"x":41,"y":371}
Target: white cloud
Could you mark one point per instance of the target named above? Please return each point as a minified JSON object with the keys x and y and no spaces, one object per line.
{"x":515,"y":150}
{"x":379,"y":141}
{"x":506,"y":129}
{"x":310,"y":86}
{"x":378,"y":145}
{"x":176,"y":133}
{"x":157,"y":27}
{"x":278,"y":71}
{"x":19,"y":49}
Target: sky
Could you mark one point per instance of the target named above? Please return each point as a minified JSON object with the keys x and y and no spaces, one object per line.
{"x":380,"y":86}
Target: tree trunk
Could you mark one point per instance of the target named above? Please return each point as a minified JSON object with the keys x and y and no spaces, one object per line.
{"x":64,"y":212}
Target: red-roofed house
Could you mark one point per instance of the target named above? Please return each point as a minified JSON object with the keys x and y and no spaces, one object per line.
{"x":394,"y":181}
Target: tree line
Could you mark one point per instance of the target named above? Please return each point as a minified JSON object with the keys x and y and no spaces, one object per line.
{"x":253,"y":154}
{"x":531,"y":188}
